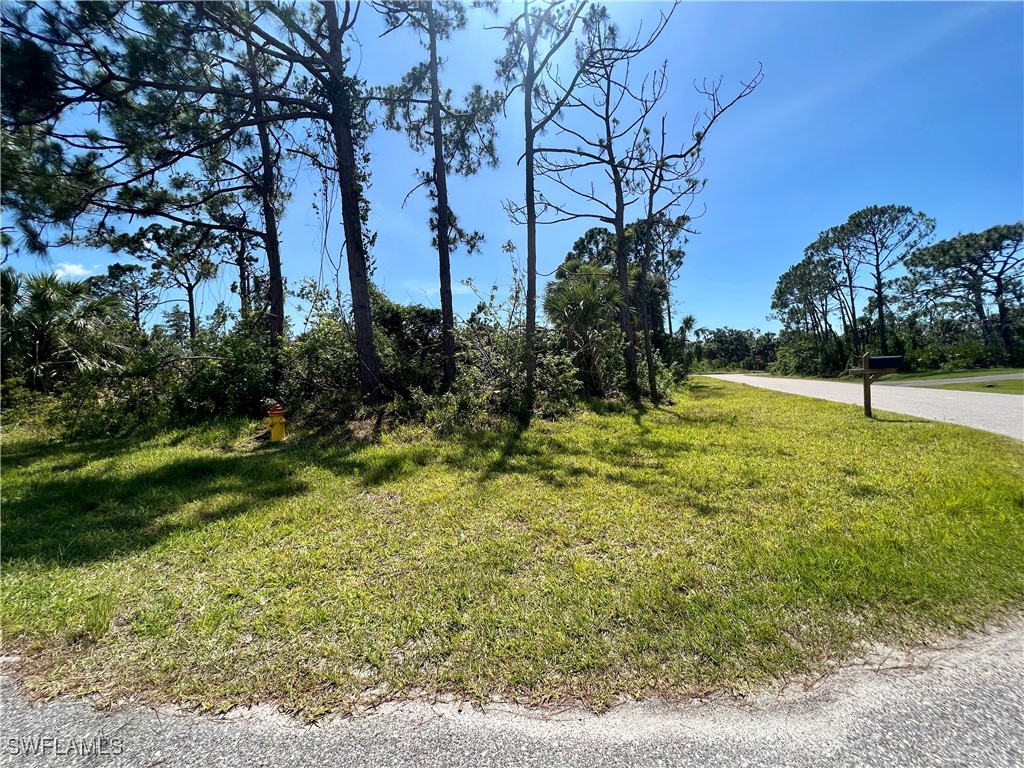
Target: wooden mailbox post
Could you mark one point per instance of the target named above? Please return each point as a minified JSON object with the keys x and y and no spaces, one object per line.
{"x":872,"y":369}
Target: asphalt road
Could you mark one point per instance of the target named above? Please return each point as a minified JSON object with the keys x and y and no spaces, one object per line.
{"x":958,"y":705}
{"x":944,"y":382}
{"x":1002,"y":414}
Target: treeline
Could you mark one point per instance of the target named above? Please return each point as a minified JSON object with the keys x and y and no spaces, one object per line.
{"x":191,"y":118}
{"x":877,"y":283}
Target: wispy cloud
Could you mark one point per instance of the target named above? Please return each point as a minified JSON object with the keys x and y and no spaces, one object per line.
{"x":431,"y":288}
{"x":837,"y":85}
{"x":67,"y":270}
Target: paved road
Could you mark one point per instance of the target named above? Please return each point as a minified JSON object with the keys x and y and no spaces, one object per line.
{"x":944,"y":382}
{"x":955,"y":706}
{"x":1002,"y":414}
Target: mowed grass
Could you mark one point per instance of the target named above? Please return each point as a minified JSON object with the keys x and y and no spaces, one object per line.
{"x":726,"y":541}
{"x":1006,"y":387}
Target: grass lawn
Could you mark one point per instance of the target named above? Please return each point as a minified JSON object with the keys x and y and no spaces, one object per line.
{"x":733,"y":538}
{"x":1007,"y":387}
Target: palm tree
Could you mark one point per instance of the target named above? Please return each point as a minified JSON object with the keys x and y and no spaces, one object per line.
{"x":686,"y":327}
{"x":582,"y":303}
{"x":54,"y":327}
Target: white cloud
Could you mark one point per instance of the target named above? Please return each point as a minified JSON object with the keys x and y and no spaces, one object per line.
{"x":428,"y":291}
{"x":425,"y":288}
{"x":431,"y":288}
{"x":71,"y":271}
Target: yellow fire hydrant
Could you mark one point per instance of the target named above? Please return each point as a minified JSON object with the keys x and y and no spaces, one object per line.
{"x":275,"y":420}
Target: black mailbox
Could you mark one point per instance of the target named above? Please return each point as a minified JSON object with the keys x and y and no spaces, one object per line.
{"x":889,"y":361}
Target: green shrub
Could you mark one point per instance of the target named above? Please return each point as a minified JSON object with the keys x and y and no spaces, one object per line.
{"x":970,"y":354}
{"x":800,"y":354}
{"x":320,"y":374}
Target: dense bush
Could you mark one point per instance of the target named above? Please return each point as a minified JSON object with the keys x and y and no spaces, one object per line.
{"x":319,"y":374}
{"x":408,"y":341}
{"x":732,"y":349}
{"x":955,"y":357}
{"x":804,"y":355}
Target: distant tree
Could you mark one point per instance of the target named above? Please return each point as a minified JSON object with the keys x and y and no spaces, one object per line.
{"x":597,"y":247}
{"x":181,"y":258}
{"x":133,"y":285}
{"x":763,"y":350}
{"x":804,"y":298}
{"x":246,"y":285}
{"x":176,"y":326}
{"x":879,"y":239}
{"x":726,"y":347}
{"x":687,"y":326}
{"x":979,"y":269}
{"x":835,"y":249}
{"x":668,"y":236}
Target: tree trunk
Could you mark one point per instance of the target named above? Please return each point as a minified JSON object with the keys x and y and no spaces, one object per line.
{"x":622,"y":263}
{"x":193,"y":327}
{"x":272,"y":245}
{"x":668,"y":312}
{"x":645,"y":323}
{"x":645,"y":307}
{"x":621,"y":249}
{"x":137,"y":309}
{"x":979,"y":309}
{"x":443,"y":223}
{"x":268,"y":194}
{"x":350,"y":190}
{"x":668,"y":306}
{"x":243,"y":281}
{"x":531,"y":221}
{"x":625,"y":316}
{"x":1004,"y":319}
{"x":882,"y":336}
{"x":853,"y":311}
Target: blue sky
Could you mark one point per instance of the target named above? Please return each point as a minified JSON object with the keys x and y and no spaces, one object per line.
{"x":918,"y":104}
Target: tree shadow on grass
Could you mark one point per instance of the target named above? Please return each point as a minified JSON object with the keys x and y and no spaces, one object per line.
{"x":510,"y":448}
{"x":69,"y":455}
{"x":374,"y":465}
{"x":704,"y":390}
{"x":74,"y":519}
{"x":486,"y":454}
{"x":698,"y":417}
{"x":88,"y":510}
{"x":899,"y":420}
{"x":557,"y":460}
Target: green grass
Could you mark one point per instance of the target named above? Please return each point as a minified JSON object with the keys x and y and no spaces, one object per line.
{"x":1006,"y":387}
{"x":967,"y":374}
{"x":724,"y":542}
